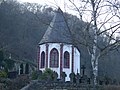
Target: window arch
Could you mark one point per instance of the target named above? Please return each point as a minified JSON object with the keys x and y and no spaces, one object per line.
{"x":66,"y":59}
{"x":54,"y":58}
{"x":27,"y":68}
{"x":42,"y":59}
{"x":21,"y":68}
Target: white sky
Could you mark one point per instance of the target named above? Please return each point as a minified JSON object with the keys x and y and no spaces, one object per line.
{"x":55,"y":3}
{"x":39,"y":1}
{"x":63,"y":4}
{"x":48,"y":2}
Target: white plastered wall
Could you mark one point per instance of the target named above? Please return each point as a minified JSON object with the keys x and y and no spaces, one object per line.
{"x":42,"y":48}
{"x":66,"y":47}
{"x":51,"y":46}
{"x":67,"y":70}
{"x":76,"y":61}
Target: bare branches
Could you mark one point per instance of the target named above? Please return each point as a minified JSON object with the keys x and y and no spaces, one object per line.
{"x":77,"y":9}
{"x":100,"y":9}
{"x":108,"y":28}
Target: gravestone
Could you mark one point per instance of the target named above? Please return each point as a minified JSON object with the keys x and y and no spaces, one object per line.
{"x":55,"y":76}
{"x":48,"y":78}
{"x":84,"y":79}
{"x":12,"y":75}
{"x":72,"y":77}
{"x":88,"y":80}
{"x":39,"y":74}
{"x":63,"y":75}
{"x":83,"y":69}
{"x":77,"y":78}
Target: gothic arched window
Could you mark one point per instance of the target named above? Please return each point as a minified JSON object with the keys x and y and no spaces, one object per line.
{"x":54,"y":58}
{"x":42,"y":59}
{"x":66,"y":59}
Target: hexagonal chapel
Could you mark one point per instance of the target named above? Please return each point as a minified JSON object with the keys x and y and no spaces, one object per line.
{"x":56,"y":49}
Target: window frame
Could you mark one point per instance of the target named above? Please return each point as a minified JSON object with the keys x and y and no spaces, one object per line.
{"x":42,"y":60}
{"x":54,"y":58}
{"x":66,"y":59}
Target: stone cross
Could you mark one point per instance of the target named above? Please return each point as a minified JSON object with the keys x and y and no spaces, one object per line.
{"x":77,"y":78}
{"x":83,"y":67}
{"x":63,"y":76}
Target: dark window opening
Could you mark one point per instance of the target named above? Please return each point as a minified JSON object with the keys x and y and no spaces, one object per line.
{"x":66,"y":59}
{"x":43,"y":59}
{"x":54,"y":58}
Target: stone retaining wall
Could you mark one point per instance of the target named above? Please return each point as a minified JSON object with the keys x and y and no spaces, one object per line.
{"x":42,"y":85}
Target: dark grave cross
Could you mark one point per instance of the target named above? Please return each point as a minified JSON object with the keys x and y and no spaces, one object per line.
{"x":83,"y":67}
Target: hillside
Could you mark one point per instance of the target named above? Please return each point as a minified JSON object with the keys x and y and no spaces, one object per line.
{"x":20,"y":30}
{"x":23,"y":25}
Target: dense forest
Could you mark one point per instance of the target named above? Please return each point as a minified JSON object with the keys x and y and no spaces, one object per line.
{"x":23,"y":25}
{"x":21,"y":30}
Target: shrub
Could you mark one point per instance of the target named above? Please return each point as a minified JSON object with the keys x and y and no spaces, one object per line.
{"x":3,"y":74}
{"x":72,"y":75}
{"x":34,"y":75}
{"x":47,"y":74}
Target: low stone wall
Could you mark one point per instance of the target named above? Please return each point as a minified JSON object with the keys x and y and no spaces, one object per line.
{"x":2,"y":86}
{"x":14,"y":84}
{"x":42,"y":85}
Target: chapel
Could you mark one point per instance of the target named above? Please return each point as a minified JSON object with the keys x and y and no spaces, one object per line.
{"x":56,"y":49}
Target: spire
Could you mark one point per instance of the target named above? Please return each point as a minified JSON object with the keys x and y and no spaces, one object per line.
{"x":57,"y":31}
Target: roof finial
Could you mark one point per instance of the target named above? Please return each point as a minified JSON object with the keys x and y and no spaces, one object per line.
{"x":59,"y":10}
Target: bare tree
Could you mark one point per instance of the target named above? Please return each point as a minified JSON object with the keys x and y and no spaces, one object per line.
{"x":104,"y":18}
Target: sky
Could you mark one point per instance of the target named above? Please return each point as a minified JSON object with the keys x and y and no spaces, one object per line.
{"x":55,"y":3}
{"x":52,"y":3}
{"x":66,"y":6}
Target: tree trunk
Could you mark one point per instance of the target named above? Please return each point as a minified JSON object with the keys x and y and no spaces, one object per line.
{"x":94,"y":62}
{"x":94,"y":59}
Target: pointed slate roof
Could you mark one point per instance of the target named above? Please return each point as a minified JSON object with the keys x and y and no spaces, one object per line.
{"x":58,"y":31}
